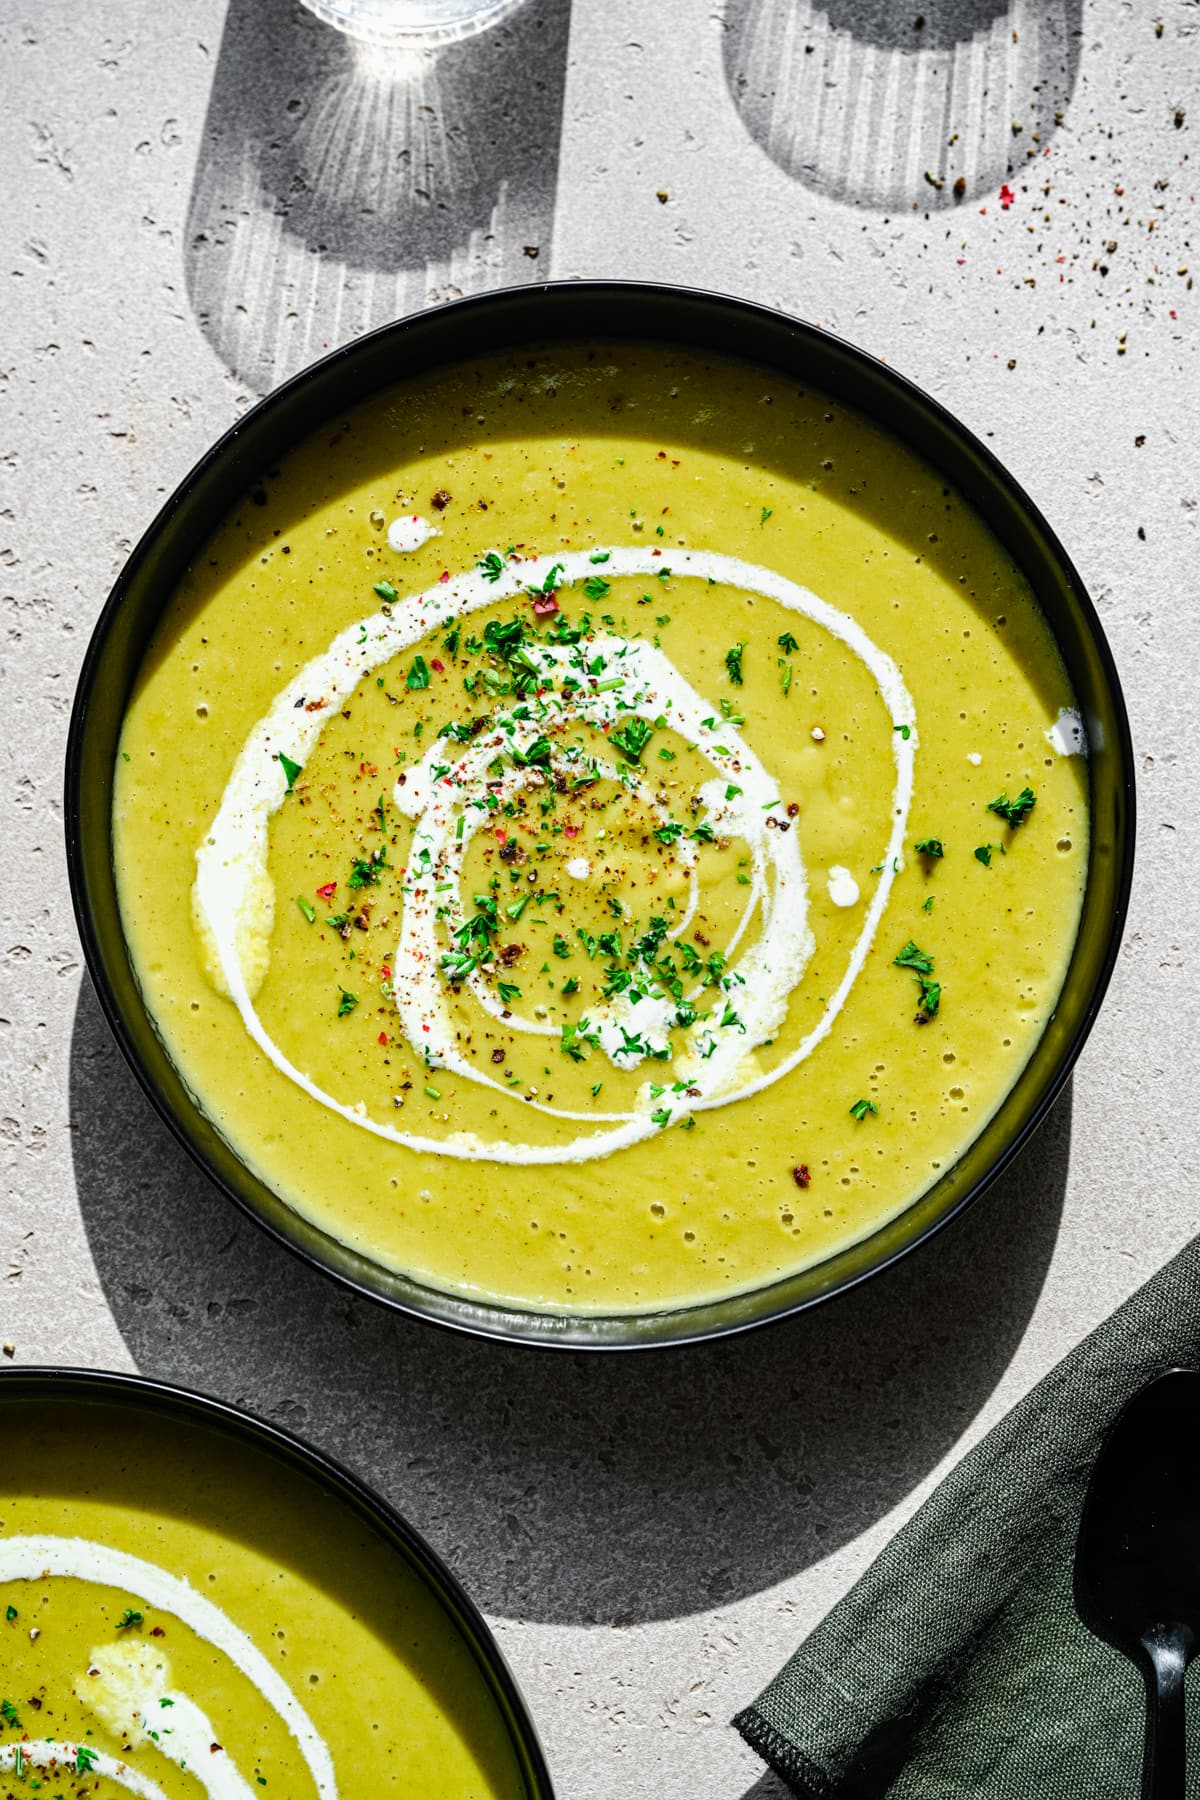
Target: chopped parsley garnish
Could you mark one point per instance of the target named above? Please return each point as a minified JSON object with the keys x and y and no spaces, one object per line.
{"x":904,"y":730}
{"x":10,"y":1613}
{"x":596,"y":588}
{"x":10,"y":1714}
{"x":432,"y":1093}
{"x":666,"y":834}
{"x":599,"y":556}
{"x":508,"y":992}
{"x":491,"y":566}
{"x":576,"y":1038}
{"x":129,"y":1618}
{"x":365,"y":870}
{"x":983,"y":853}
{"x":1013,"y":812}
{"x":387,"y":592}
{"x":347,"y":1003}
{"x":931,"y":999}
{"x":306,"y":907}
{"x":571,"y":986}
{"x":451,"y":641}
{"x":661,"y":1117}
{"x":537,"y":753}
{"x":764,"y":514}
{"x":929,"y":847}
{"x":927,"y":903}
{"x":785,"y":676}
{"x":291,"y":769}
{"x":518,"y":906}
{"x":561,"y":946}
{"x":912,"y":958}
{"x":861,"y":1108}
{"x":482,"y":925}
{"x":85,"y":1759}
{"x":632,"y":738}
{"x":458,"y":964}
{"x":703,"y":833}
{"x":418,"y":675}
{"x":733,"y":663}
{"x":787,"y":642}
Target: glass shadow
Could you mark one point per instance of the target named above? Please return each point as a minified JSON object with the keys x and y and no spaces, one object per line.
{"x":894,"y":106}
{"x":341,"y":185}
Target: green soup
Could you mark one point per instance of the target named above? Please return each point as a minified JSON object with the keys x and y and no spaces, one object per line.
{"x":182,"y":1614}
{"x":601,"y":830}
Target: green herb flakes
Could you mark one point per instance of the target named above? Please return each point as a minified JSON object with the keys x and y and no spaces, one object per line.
{"x":1013,"y":812}
{"x":912,"y":958}
{"x":632,"y":738}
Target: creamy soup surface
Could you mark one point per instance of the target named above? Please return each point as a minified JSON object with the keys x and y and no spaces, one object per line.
{"x":601,"y":830}
{"x":182,"y":1615}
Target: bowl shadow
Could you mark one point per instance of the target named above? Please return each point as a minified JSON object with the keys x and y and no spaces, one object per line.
{"x":568,"y":1488}
{"x":340,"y":185}
{"x":891,"y":107}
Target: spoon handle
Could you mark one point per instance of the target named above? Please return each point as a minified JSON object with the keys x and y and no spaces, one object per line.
{"x":1164,"y":1771}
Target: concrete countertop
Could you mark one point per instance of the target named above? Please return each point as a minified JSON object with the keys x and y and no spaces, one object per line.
{"x":198,"y":199}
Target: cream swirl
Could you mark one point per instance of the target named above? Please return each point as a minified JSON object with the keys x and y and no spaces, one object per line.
{"x":712,"y":1063}
{"x":37,"y":1558}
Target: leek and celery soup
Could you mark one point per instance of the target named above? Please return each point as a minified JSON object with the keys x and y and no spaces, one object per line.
{"x":173,"y":1624}
{"x":601,"y":829}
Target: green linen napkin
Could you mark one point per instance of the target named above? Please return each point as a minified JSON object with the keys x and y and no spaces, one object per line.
{"x":957,"y":1666}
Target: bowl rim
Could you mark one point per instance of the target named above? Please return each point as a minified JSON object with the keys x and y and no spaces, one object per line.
{"x":667,"y":1328}
{"x":64,"y":1382}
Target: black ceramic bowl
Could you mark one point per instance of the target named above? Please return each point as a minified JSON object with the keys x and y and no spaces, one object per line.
{"x":216,"y":1425}
{"x":499,"y":322}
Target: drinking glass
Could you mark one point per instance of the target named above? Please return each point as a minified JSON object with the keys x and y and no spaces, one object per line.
{"x":401,"y":23}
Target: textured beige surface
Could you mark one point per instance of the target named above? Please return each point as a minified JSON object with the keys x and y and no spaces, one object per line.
{"x":196,"y":203}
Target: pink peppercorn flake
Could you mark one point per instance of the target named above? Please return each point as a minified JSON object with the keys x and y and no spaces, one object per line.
{"x":439,"y":666}
{"x":328,"y":891}
{"x":1006,"y":196}
{"x":545,"y":606}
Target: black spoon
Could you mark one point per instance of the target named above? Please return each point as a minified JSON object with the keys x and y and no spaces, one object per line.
{"x":1137,"y":1562}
